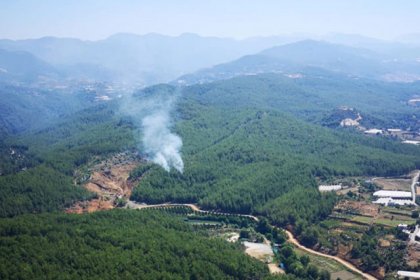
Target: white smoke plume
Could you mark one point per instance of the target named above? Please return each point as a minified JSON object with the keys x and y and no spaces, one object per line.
{"x":151,"y":114}
{"x":163,"y":146}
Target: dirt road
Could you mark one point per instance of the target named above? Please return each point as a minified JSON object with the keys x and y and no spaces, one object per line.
{"x":292,"y":239}
{"x":348,"y":265}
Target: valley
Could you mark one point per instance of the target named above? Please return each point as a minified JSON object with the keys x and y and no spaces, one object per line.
{"x":110,"y":180}
{"x":235,"y":168}
{"x":178,"y":156}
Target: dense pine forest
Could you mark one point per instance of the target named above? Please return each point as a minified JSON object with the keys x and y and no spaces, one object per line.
{"x":242,"y":159}
{"x":50,"y":156}
{"x":252,"y":145}
{"x":237,"y":140}
{"x":249,"y":147}
{"x":117,"y":245}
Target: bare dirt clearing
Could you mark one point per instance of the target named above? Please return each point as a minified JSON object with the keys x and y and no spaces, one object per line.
{"x":275,"y":269}
{"x":109,"y":180}
{"x":357,"y":207}
{"x":413,"y":255}
{"x":259,"y":251}
{"x":344,"y":275}
{"x":395,"y":184}
{"x":232,"y":236}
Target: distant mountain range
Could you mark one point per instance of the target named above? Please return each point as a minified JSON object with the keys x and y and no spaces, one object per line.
{"x":155,"y":58}
{"x":147,"y":59}
{"x":23,"y":65}
{"x":296,"y":59}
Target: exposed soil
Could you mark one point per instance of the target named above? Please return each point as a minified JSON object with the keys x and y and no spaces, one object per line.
{"x":91,"y":206}
{"x":259,"y":251}
{"x":379,"y":273}
{"x":275,"y":269}
{"x":264,"y":253}
{"x":413,"y":255}
{"x":346,"y":190}
{"x":357,"y":207}
{"x":344,"y":250}
{"x":344,"y":275}
{"x":395,"y":184}
{"x":384,"y":243}
{"x":109,"y":180}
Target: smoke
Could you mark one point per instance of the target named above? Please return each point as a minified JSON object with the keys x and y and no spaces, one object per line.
{"x":158,"y":141}
{"x":151,"y":114}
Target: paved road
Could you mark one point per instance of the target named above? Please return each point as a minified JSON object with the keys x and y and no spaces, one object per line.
{"x":413,"y":235}
{"x":292,"y":239}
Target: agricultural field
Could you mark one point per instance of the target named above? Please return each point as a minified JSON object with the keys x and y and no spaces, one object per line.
{"x":337,"y":270}
{"x":395,"y":184}
{"x":358,"y":209}
{"x":365,"y":233}
{"x":384,"y":220}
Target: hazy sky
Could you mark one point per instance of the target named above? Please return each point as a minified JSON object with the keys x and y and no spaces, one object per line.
{"x":96,"y":19}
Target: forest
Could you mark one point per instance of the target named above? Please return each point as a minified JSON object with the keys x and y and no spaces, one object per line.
{"x":249,"y":148}
{"x":38,"y":177}
{"x":250,"y":145}
{"x":117,"y":244}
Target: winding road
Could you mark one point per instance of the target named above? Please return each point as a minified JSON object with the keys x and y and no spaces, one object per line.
{"x":348,"y":265}
{"x":291,"y":238}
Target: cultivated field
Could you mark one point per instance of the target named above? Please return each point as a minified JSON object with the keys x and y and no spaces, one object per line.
{"x":337,"y":270}
{"x":396,"y":184}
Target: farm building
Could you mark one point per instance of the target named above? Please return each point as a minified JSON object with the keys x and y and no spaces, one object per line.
{"x":393,"y":198}
{"x":412,"y":142}
{"x":388,"y":201}
{"x":374,"y":131}
{"x":408,"y":274}
{"x":393,"y":194}
{"x":329,"y":188}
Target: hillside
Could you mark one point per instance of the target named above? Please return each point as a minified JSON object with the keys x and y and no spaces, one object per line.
{"x":24,"y":67}
{"x":252,"y":134}
{"x":21,"y":105}
{"x":250,"y":140}
{"x":117,"y":244}
{"x":299,"y":58}
{"x":253,"y":144}
{"x":139,"y":59}
{"x":38,"y":167}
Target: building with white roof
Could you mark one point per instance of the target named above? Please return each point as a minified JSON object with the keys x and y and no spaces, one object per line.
{"x":412,"y":142}
{"x":393,"y":194}
{"x":408,"y":274}
{"x":329,"y":188}
{"x":388,"y":201}
{"x":374,"y":131}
